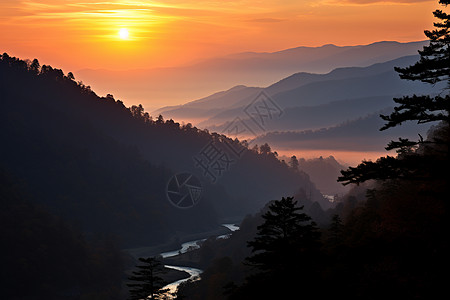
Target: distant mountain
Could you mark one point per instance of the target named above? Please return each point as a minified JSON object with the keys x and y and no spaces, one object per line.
{"x":204,"y":108}
{"x":168,"y":86}
{"x":317,"y":59}
{"x":361,"y":134}
{"x":314,"y":100}
{"x":313,"y":104}
{"x":324,"y":173}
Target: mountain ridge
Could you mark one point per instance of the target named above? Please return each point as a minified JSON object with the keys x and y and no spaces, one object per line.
{"x":155,"y":88}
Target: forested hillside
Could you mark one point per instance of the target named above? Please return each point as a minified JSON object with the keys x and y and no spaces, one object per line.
{"x":43,"y":257}
{"x":104,"y":166}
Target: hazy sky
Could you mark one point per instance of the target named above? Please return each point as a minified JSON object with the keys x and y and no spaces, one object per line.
{"x":75,"y":34}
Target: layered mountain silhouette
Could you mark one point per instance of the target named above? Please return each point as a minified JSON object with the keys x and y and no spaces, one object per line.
{"x":167,"y":86}
{"x":310,"y":102}
{"x":361,"y":134}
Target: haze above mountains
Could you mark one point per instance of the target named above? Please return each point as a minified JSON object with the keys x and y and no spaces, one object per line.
{"x":159,"y":87}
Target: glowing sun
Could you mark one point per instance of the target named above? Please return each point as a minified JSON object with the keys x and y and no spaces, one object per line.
{"x":123,"y":33}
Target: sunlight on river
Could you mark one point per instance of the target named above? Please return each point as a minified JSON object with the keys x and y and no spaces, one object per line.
{"x":193,"y":272}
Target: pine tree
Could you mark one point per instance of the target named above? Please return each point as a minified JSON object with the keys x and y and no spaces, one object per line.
{"x":433,"y":68}
{"x":335,"y":231}
{"x":293,"y":162}
{"x":149,"y":284}
{"x":284,"y":235}
{"x":434,"y":63}
{"x":285,"y":252}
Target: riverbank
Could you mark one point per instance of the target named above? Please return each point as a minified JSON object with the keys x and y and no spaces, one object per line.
{"x":193,"y":275}
{"x":175,"y":242}
{"x":189,"y":257}
{"x":192,"y":255}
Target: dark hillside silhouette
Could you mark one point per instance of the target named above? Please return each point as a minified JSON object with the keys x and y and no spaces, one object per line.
{"x":323,"y":172}
{"x":45,"y":258}
{"x":74,"y":168}
{"x":104,"y":166}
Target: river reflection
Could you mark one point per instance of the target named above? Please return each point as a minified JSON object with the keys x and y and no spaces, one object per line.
{"x":193,"y":272}
{"x":185,"y":247}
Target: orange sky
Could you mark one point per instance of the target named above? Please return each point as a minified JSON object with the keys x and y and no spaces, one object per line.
{"x":76,"y":34}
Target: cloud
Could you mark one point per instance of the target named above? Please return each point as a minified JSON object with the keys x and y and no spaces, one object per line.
{"x":266,"y":20}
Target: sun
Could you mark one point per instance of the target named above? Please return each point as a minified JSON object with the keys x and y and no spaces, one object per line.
{"x":123,"y":33}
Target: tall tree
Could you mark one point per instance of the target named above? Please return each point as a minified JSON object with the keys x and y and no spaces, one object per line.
{"x":434,"y":62}
{"x":35,"y":66}
{"x":265,"y":149}
{"x":433,"y":68}
{"x":284,"y":253}
{"x":293,"y":162}
{"x":285,"y":232}
{"x":335,"y":230}
{"x":149,"y":284}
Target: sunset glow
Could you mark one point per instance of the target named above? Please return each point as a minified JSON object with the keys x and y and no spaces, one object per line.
{"x":77,"y":34}
{"x":124,"y":34}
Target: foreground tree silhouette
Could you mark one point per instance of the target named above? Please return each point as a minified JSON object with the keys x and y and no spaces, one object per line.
{"x":150,"y":285}
{"x":403,"y":225}
{"x":284,"y":233}
{"x":433,"y":68}
{"x":285,"y":251}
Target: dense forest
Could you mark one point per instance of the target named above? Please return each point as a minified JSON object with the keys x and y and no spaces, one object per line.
{"x":43,"y":257}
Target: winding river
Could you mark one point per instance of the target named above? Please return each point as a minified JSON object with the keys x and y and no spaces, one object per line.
{"x":193,"y":272}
